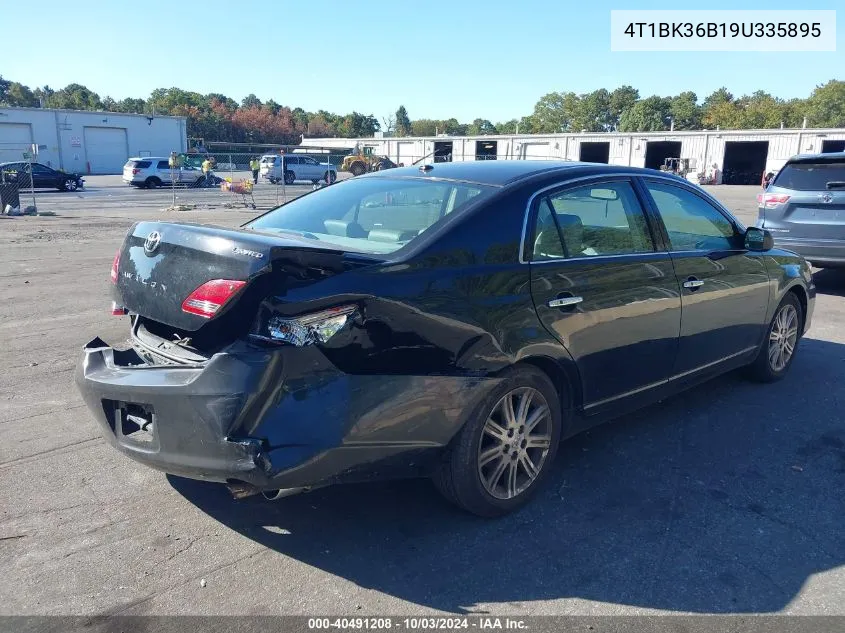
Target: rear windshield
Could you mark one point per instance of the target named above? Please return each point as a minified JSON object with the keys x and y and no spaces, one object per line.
{"x":812,"y":176}
{"x":371,"y":215}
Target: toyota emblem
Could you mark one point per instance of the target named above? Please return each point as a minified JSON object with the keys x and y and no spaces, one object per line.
{"x":827,"y":198}
{"x":152,"y":242}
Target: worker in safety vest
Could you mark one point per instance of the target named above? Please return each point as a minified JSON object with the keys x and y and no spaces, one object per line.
{"x":254,"y":166}
{"x":206,"y":170}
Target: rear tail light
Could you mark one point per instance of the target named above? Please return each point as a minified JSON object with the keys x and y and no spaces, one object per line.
{"x":114,"y":265}
{"x":317,"y":327}
{"x":135,"y":171}
{"x":207,"y":300}
{"x":118,"y":310}
{"x":771,"y":200}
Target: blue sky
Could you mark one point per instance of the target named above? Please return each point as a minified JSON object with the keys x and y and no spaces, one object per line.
{"x":461,"y":58}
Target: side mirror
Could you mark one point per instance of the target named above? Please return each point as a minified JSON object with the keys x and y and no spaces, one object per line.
{"x":758,"y":239}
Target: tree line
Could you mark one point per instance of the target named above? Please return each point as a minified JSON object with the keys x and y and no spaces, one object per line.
{"x":217,"y":117}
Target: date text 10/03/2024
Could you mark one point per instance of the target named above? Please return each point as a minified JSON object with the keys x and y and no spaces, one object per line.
{"x":417,"y":623}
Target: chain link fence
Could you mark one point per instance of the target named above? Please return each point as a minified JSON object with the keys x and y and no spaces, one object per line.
{"x":207,"y":180}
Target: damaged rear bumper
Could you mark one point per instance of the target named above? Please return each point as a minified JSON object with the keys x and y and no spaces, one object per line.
{"x":278,"y":418}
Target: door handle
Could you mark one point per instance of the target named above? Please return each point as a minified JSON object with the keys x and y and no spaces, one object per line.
{"x":693,"y":284}
{"x":563,"y":302}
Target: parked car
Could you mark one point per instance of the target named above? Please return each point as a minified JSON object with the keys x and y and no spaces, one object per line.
{"x":154,"y":171}
{"x":454,"y":321}
{"x":292,"y":168}
{"x":43,"y":177}
{"x":804,"y":208}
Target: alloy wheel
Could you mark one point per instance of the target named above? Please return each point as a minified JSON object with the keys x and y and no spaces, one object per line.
{"x":514,"y":443}
{"x":783,"y":337}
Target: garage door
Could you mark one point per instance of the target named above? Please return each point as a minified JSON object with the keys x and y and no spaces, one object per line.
{"x":535,"y":151}
{"x":106,"y":149}
{"x":406,"y":152}
{"x":15,"y":139}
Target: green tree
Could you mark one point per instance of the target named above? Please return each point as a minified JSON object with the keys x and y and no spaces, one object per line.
{"x":555,"y":112}
{"x":481,"y":126}
{"x":685,"y":111}
{"x":16,"y":94}
{"x":251,"y":101}
{"x":721,"y":95}
{"x":423,"y":127}
{"x":621,"y":99}
{"x":131,"y":106}
{"x":356,"y":125}
{"x":274,"y":107}
{"x":74,"y":97}
{"x":826,"y":105}
{"x":760,"y":111}
{"x":403,"y":123}
{"x":647,"y":115}
{"x":592,"y":112}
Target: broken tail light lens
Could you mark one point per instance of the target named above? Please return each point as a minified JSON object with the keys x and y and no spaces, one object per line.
{"x":771,"y":200}
{"x":207,"y":300}
{"x":114,"y":265}
{"x":308,"y":329}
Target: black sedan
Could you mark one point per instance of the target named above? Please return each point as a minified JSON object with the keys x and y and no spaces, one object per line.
{"x":455,"y":321}
{"x":43,"y":177}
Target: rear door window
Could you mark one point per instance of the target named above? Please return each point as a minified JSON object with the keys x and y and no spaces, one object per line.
{"x":815,"y":176}
{"x":163,"y":164}
{"x":590,"y":221}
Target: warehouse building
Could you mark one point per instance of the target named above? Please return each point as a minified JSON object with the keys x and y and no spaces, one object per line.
{"x":87,"y":142}
{"x":729,"y":156}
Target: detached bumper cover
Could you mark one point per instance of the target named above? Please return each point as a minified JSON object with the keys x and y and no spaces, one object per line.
{"x":278,"y":418}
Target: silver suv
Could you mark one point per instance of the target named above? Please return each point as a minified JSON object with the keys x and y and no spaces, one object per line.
{"x":154,"y":171}
{"x":804,"y":208}
{"x":296,"y":167}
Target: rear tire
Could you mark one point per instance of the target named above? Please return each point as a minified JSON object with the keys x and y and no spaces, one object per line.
{"x":290,"y":177}
{"x":152,"y":183}
{"x":357,"y":169}
{"x":504,"y":452}
{"x":330,"y":177}
{"x":782,"y":337}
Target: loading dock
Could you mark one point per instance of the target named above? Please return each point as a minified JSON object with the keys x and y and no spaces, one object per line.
{"x":594,"y":152}
{"x":656,"y":152}
{"x":833,"y":146}
{"x":442,"y":151}
{"x":745,"y":162}
{"x":486,"y":150}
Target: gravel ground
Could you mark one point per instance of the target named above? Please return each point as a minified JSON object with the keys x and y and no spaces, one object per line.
{"x":727,"y":499}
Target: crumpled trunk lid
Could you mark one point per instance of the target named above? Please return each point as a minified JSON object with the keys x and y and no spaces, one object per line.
{"x":162,"y":263}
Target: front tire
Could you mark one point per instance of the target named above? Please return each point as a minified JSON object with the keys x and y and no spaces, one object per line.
{"x":70,"y":185}
{"x":290,"y":177}
{"x":505,"y":450}
{"x":782,"y":337}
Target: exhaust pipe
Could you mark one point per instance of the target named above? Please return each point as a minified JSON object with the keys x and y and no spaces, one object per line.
{"x":274,"y":495}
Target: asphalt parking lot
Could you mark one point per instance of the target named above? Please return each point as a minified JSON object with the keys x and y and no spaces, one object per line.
{"x":727,"y":499}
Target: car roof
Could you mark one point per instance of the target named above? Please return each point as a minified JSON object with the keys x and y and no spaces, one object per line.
{"x":505,"y":172}
{"x":809,"y":158}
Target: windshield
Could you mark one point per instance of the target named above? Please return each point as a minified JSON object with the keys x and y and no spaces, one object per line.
{"x":371,"y":215}
{"x":811,"y":176}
